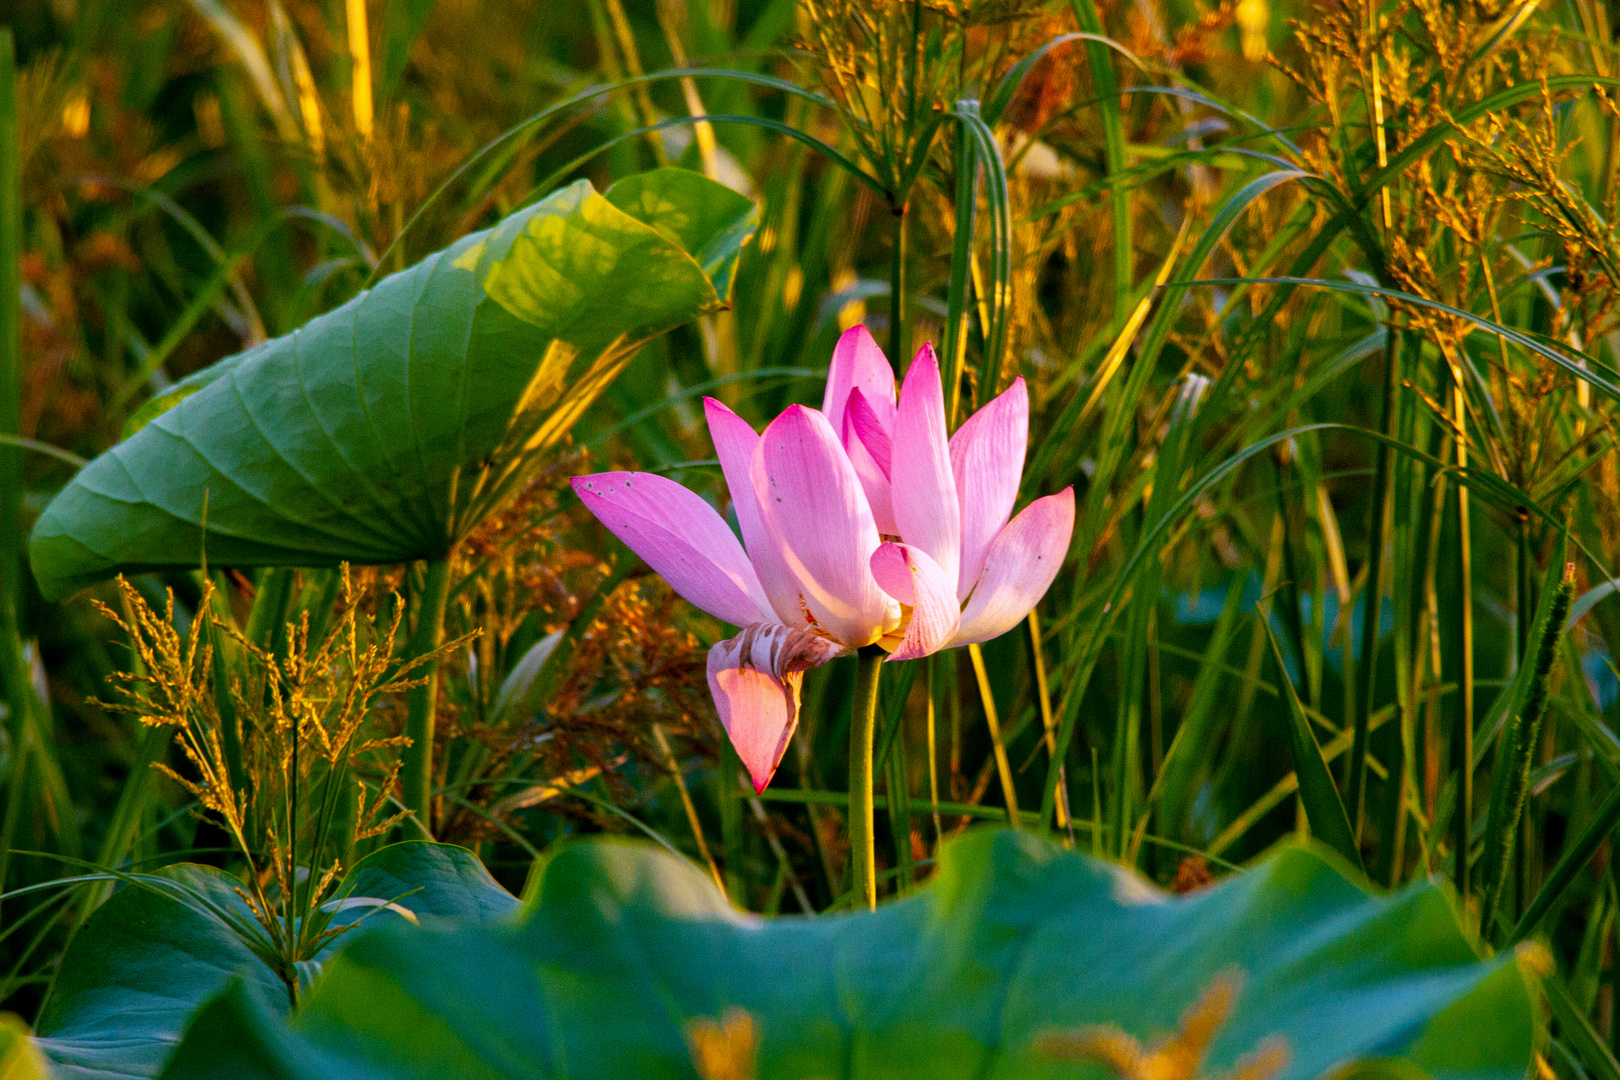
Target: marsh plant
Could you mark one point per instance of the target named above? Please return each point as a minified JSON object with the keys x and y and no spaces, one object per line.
{"x":284,"y":747}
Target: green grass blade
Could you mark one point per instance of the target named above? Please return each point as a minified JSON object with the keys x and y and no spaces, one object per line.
{"x":1003,"y":94}
{"x":1323,"y":807}
{"x":1576,"y":1031}
{"x":1571,"y":861}
{"x":1373,"y":593}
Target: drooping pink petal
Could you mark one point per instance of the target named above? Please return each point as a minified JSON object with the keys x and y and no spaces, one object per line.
{"x":987,"y":459}
{"x":910,"y":576}
{"x":866,"y":438}
{"x":1023,"y":560}
{"x":755,"y":679}
{"x":856,"y":362}
{"x":681,"y":537}
{"x":921,"y":484}
{"x":817,"y":516}
{"x":734,"y":442}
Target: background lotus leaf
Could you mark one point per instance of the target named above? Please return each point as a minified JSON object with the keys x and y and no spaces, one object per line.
{"x":384,"y":430}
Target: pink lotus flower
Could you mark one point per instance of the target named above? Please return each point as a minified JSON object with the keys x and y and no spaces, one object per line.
{"x":878,"y":530}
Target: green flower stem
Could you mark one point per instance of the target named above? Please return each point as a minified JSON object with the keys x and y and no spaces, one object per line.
{"x":862,"y":728}
{"x":417,"y":773}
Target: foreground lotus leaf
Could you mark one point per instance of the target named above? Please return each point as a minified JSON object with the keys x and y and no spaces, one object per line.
{"x":629,"y":958}
{"x":384,"y":430}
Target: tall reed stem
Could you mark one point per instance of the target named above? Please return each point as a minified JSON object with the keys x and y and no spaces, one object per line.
{"x":862,"y":733}
{"x":417,"y":772}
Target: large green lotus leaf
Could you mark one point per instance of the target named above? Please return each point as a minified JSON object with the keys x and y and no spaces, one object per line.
{"x":145,"y":961}
{"x":627,"y":947}
{"x":384,"y":430}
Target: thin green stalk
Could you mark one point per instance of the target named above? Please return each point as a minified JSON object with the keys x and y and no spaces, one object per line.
{"x":1524,"y":605}
{"x":900,"y":810}
{"x":1373,"y":594}
{"x":1106,"y":91}
{"x":954,"y":357}
{"x":1289,"y":593}
{"x":998,"y":745}
{"x":731,"y":822}
{"x":1391,"y":837}
{"x":674,"y":768}
{"x":1461,"y":661}
{"x":933,"y":758}
{"x":1570,"y":862}
{"x":1049,"y":722}
{"x":862,"y":736}
{"x":150,"y":744}
{"x":417,"y":773}
{"x":897,"y":291}
{"x":12,"y":668}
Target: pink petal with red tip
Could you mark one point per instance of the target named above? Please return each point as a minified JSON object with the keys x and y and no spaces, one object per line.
{"x":816,"y":512}
{"x":1023,"y":560}
{"x":856,"y":362}
{"x":911,"y":577}
{"x":681,"y":537}
{"x":755,"y":679}
{"x":987,"y":459}
{"x":921,"y":483}
{"x":734,"y":442}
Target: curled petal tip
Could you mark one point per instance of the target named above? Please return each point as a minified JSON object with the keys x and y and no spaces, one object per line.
{"x":755,"y":679}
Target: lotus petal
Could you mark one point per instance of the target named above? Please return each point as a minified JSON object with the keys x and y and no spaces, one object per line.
{"x":681,"y":537}
{"x":987,"y":459}
{"x":817,"y":515}
{"x":755,"y":679}
{"x":910,"y":576}
{"x":1023,"y":560}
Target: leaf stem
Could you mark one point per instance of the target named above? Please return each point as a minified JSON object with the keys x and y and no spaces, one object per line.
{"x":862,"y":735}
{"x":417,"y":773}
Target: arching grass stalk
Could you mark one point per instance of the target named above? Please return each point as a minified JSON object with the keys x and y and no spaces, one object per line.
{"x":862,"y":731}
